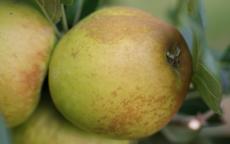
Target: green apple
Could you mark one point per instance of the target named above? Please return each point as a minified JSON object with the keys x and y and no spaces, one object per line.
{"x":26,"y":40}
{"x":120,"y":72}
{"x":47,"y":126}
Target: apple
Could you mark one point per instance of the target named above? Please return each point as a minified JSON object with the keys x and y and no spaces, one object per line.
{"x":47,"y":126}
{"x":26,"y":41}
{"x":120,"y":72}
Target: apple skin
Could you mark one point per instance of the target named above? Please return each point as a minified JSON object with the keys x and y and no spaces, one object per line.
{"x":111,"y":74}
{"x":47,"y":126}
{"x":26,"y":41}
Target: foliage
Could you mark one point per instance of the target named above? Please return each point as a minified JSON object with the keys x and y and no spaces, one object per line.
{"x":189,"y":17}
{"x":225,"y":70}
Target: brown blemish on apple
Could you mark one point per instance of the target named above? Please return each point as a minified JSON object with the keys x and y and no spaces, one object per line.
{"x":41,"y":55}
{"x":31,"y":77}
{"x":133,"y":112}
{"x":15,"y":56}
{"x":119,"y":88}
{"x":114,"y":93}
{"x":106,"y":28}
{"x":93,"y":74}
{"x":74,"y":54}
{"x":122,"y":121}
{"x":130,"y":115}
{"x":138,"y":88}
{"x":90,"y":55}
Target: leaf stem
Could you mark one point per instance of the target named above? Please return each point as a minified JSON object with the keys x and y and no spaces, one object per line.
{"x":58,"y":33}
{"x":64,"y":20}
{"x":78,"y":11}
{"x":178,"y":11}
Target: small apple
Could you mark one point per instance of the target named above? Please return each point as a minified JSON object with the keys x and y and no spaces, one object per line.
{"x":26,"y":41}
{"x":120,"y":72}
{"x":47,"y":126}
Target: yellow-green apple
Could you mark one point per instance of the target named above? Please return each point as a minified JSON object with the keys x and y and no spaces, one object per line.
{"x":26,"y":40}
{"x":47,"y":126}
{"x":120,"y":72}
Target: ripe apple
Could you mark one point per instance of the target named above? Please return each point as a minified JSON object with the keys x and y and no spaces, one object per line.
{"x":26,"y":40}
{"x":120,"y":72}
{"x":47,"y":126}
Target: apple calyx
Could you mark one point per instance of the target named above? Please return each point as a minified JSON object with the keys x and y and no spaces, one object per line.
{"x":173,"y":56}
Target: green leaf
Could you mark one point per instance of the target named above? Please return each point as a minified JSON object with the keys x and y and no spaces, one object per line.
{"x":210,"y":61}
{"x":225,"y":58}
{"x":189,"y":15}
{"x":4,"y":137}
{"x":195,"y":10}
{"x":52,"y":8}
{"x":208,"y":87}
{"x":67,"y":2}
{"x":46,"y":9}
{"x":73,"y":12}
{"x":188,"y":35}
{"x":80,"y":9}
{"x":89,"y":7}
{"x":191,"y":35}
{"x":225,"y":70}
{"x":196,"y":50}
{"x":180,"y":12}
{"x":225,"y":79}
{"x":201,"y":13}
